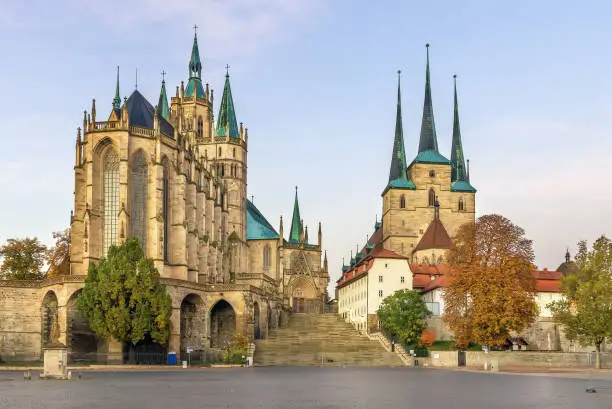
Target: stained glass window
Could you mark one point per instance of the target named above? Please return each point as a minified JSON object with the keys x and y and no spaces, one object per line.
{"x":140,"y":180}
{"x":266,"y":256}
{"x":165,"y":211}
{"x":111,"y":198}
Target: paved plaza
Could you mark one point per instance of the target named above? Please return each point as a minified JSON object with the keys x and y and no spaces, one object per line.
{"x":302,"y":387}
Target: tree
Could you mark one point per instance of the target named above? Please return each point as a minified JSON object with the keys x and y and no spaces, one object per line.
{"x":124,"y":299}
{"x":23,"y":259}
{"x":491,"y":290}
{"x":403,"y":315}
{"x":58,"y":257}
{"x":586,"y":309}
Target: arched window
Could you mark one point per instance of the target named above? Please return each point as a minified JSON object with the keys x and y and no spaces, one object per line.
{"x":432,"y":197}
{"x":460,"y":206}
{"x":166,"y":210}
{"x":266,"y":256}
{"x":402,"y":202}
{"x":234,"y":152}
{"x":139,"y":186}
{"x":219,"y":151}
{"x":111,"y":198}
{"x":200,"y":131}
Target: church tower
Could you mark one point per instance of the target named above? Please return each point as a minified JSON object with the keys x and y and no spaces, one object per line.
{"x":426,"y":202}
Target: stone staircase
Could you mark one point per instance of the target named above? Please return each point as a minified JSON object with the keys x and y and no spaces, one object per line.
{"x":321,"y":339}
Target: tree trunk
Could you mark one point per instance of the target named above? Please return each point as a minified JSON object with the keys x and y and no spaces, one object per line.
{"x":598,"y":355}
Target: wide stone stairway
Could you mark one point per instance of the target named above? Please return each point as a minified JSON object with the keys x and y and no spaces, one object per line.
{"x":321,"y":339}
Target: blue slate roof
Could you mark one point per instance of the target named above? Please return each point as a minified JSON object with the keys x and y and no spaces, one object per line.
{"x":430,"y":156}
{"x":462,"y":186}
{"x":141,"y":113}
{"x":258,"y":228}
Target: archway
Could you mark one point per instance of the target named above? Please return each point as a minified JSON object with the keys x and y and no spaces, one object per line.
{"x":304,"y":296}
{"x":193,"y":324}
{"x":49,"y":321}
{"x":222,"y":324}
{"x":80,"y":338}
{"x":270,"y":322}
{"x":256,"y":321}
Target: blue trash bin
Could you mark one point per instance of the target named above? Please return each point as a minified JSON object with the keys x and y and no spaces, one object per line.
{"x":171,"y":358}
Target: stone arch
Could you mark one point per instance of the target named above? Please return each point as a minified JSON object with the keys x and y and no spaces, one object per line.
{"x":193,"y":323}
{"x":50,"y":331}
{"x":256,"y":321}
{"x":304,"y":295}
{"x":222,"y":323}
{"x":81,"y":340}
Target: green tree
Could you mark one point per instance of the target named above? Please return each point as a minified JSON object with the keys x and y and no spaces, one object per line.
{"x":403,"y":315}
{"x":22,"y":259}
{"x":586,"y":309}
{"x":124,"y":299}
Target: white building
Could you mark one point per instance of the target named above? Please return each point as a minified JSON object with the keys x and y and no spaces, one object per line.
{"x":367,"y":281}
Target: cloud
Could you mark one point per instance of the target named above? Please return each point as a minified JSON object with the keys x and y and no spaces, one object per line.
{"x":228,"y":27}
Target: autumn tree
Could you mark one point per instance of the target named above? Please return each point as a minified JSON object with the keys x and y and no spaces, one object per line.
{"x":22,"y":259}
{"x":586,"y":309}
{"x":491,"y":289}
{"x":124,"y":299}
{"x":403,"y":316}
{"x":58,"y":257}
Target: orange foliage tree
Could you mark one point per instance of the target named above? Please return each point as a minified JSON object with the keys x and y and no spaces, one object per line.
{"x":58,"y":257}
{"x":428,"y":337}
{"x":491,"y":289}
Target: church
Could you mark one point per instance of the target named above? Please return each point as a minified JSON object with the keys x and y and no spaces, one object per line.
{"x":174,"y":176}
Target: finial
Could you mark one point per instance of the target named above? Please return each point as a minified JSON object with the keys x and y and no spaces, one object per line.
{"x":163,"y":73}
{"x":195,"y":29}
{"x":296,"y":189}
{"x":567,"y":256}
{"x":136,"y":78}
{"x":253,"y":200}
{"x":227,"y":67}
{"x":468,"y":170}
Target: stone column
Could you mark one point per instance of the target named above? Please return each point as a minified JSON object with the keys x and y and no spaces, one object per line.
{"x":174,"y":343}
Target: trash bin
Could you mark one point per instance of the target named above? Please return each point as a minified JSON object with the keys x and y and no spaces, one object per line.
{"x":171,"y":358}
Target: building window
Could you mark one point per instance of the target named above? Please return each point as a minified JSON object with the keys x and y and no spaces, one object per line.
{"x":461,"y":205}
{"x":380,"y":279}
{"x":111,"y":198}
{"x":266,"y":256}
{"x":432,"y":173}
{"x":200,"y":130}
{"x":234,"y":152}
{"x":432,"y":197}
{"x":380,"y":294}
{"x":402,"y":280}
{"x":402,"y":202}
{"x":219,"y":151}
{"x":139,"y":185}
{"x":166,"y":210}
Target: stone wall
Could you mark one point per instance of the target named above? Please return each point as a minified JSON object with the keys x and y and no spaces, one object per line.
{"x":537,"y":359}
{"x":20,"y":324}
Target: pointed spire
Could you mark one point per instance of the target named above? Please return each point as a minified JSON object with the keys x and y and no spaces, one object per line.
{"x":227,"y":114}
{"x":117,"y":99}
{"x":162,"y":106}
{"x":568,"y":257}
{"x":294,"y":234}
{"x":457,"y":159}
{"x":195,"y":65}
{"x":398,"y":158}
{"x":428,"y":140}
{"x":306,"y":234}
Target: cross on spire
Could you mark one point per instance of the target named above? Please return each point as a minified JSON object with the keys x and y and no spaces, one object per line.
{"x":195,"y":29}
{"x":252,"y":199}
{"x":227,"y":67}
{"x":163,"y":73}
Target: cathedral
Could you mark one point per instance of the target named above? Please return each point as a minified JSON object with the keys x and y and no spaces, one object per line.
{"x":175,"y":176}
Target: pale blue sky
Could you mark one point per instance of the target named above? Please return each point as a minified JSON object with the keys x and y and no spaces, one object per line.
{"x":315,"y":82}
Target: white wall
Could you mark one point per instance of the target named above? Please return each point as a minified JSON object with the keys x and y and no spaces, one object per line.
{"x":391,"y":270}
{"x":352,"y":302}
{"x":544,"y":298}
{"x":433,"y":297}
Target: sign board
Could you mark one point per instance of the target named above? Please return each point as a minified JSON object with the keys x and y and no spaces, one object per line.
{"x":189,"y":350}
{"x":485,"y":348}
{"x":436,"y":356}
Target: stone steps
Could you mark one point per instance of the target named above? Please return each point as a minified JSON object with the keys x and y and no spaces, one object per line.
{"x":321,"y":339}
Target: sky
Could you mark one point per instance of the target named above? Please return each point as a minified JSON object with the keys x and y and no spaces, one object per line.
{"x":315,"y":82}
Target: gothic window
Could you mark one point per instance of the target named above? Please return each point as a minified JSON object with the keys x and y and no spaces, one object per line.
{"x":200,"y":131}
{"x":234,"y":152}
{"x":222,"y":170}
{"x":219,"y":151}
{"x":266,"y":256}
{"x":139,"y":184}
{"x":111,"y":198}
{"x":461,"y":205}
{"x":166,"y":211}
{"x":402,"y":202}
{"x":432,"y":197}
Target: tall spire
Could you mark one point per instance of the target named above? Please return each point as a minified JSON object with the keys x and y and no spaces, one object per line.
{"x":227,"y":115}
{"x":457,"y":159}
{"x":398,"y":158}
{"x":117,"y":99}
{"x":195,"y":65}
{"x":296,"y":224}
{"x":162,"y":105}
{"x":428,"y":140}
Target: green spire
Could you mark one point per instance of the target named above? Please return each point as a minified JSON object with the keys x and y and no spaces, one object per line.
{"x":195,"y":65}
{"x":227,"y":114}
{"x":428,"y":140}
{"x":457,"y":159}
{"x":296,"y":224}
{"x":117,"y":99}
{"x":398,"y":158}
{"x":162,"y":105}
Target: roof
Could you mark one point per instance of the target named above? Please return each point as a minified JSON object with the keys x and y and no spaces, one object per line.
{"x":258,"y":228}
{"x":430,"y":156}
{"x":462,"y":186}
{"x":428,"y":139}
{"x":162,"y":105}
{"x":457,"y":160}
{"x":227,"y":113}
{"x":397,"y":171}
{"x":435,"y":237}
{"x":141,"y":113}
{"x":399,"y":183}
{"x":296,"y":222}
{"x":365,"y":264}
{"x":195,"y":83}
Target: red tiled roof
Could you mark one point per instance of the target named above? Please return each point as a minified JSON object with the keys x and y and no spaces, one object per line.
{"x":547,"y":274}
{"x":435,"y":237}
{"x":548,"y":286}
{"x":365,"y":265}
{"x":438,"y":282}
